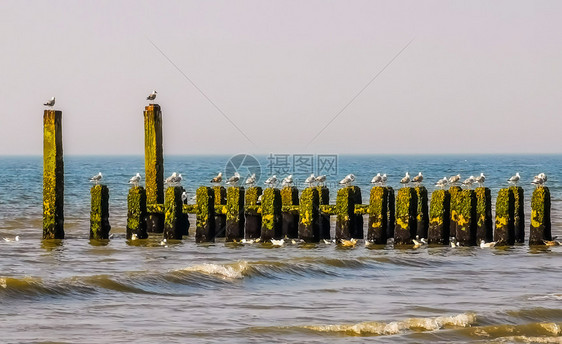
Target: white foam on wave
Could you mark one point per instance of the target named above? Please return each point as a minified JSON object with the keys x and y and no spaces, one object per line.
{"x":526,"y":339}
{"x":556,"y":297}
{"x":381,"y":328}
{"x":227,"y":271}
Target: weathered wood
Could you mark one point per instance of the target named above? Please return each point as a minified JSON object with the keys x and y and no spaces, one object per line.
{"x":290,"y":218}
{"x":463,"y":217}
{"x":378,"y":215}
{"x":173,"y":213}
{"x":439,"y":218}
{"x":518,"y":213}
{"x":205,"y":227}
{"x":484,"y":229}
{"x":53,"y":176}
{"x":540,"y":217}
{"x":391,"y":212}
{"x":220,"y":219}
{"x":358,"y":226}
{"x":136,"y":213}
{"x":422,"y":216}
{"x":406,"y":211}
{"x":309,"y":230}
{"x":454,"y":191}
{"x":324,"y":219}
{"x":253,"y":217}
{"x":99,"y":213}
{"x":235,"y":213}
{"x":271,"y":214}
{"x":154,"y":165}
{"x":346,"y":219}
{"x":504,"y":233}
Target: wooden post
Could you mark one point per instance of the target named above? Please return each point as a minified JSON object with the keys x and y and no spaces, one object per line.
{"x":346,"y":220}
{"x":235,"y":213}
{"x":454,"y":192}
{"x":309,"y":230}
{"x":391,"y":212}
{"x":484,"y":230}
{"x":154,"y":164}
{"x":378,"y":215}
{"x":99,"y":214}
{"x":439,"y":218}
{"x":540,"y":217}
{"x":173,"y":210}
{"x":324,"y":219}
{"x":220,"y":219}
{"x":53,"y":176}
{"x":253,"y":217}
{"x":271,"y":214}
{"x":358,"y":226}
{"x":290,"y":219}
{"x":136,"y":213}
{"x":518,"y":213}
{"x":505,"y":207}
{"x":406,"y":211}
{"x":463,"y":217}
{"x":422,"y":217}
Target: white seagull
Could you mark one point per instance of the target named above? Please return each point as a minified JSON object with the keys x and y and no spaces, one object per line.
{"x":135,"y":179}
{"x":271,"y":181}
{"x":177,"y":180}
{"x":406,"y":179}
{"x":383,"y":181}
{"x":184,"y":197}
{"x":171,"y":178}
{"x":347,"y":180}
{"x":376,"y":179}
{"x":310,"y":179}
{"x":97,"y":178}
{"x":234,"y":179}
{"x":442,"y":182}
{"x":484,"y":244}
{"x":468,"y":181}
{"x":480,"y":179}
{"x":277,"y":243}
{"x":217,"y":179}
{"x":539,"y":179}
{"x":514,"y":179}
{"x":418,"y":179}
{"x":288,"y":181}
{"x":320,"y":179}
{"x":251,"y":180}
{"x":50,"y":103}
{"x":454,"y":179}
{"x":152,"y":96}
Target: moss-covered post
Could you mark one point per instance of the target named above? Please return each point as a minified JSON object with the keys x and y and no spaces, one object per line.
{"x":422,"y":217}
{"x":406,"y":211}
{"x":253,"y":216}
{"x":518,"y":213}
{"x":358,"y":226}
{"x":439,"y":217}
{"x":540,"y":217}
{"x":391,"y":212}
{"x":324,"y":219}
{"x":173,"y":213}
{"x":484,"y":230}
{"x":454,"y":192}
{"x":53,"y":176}
{"x":290,"y":218}
{"x":378,"y":215}
{"x":345,"y":213}
{"x":505,"y":207}
{"x":205,"y":227}
{"x":136,"y":213}
{"x":220,"y":219}
{"x":154,"y":164}
{"x":309,"y":230}
{"x":463,"y":216}
{"x":99,"y":213}
{"x":234,"y":213}
{"x":271,"y":214}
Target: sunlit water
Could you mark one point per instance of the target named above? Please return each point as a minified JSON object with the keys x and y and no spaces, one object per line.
{"x":145,"y":292}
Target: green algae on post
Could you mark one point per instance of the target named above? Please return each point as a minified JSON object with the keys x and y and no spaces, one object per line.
{"x":391,"y":212}
{"x":99,"y":213}
{"x":453,"y":192}
{"x":220,"y":218}
{"x":406,"y":211}
{"x":323,"y":219}
{"x":235,"y":213}
{"x":154,"y":165}
{"x":484,"y":228}
{"x":422,"y":216}
{"x":271,"y":214}
{"x":136,"y":213}
{"x":504,"y":233}
{"x":345,"y":213}
{"x":253,"y":213}
{"x":540,"y":217}
{"x":518,"y":213}
{"x":463,"y":216}
{"x":173,"y":213}
{"x":289,"y":218}
{"x":53,"y":176}
{"x":439,"y":217}
{"x":205,"y":224}
{"x":378,"y":215}
{"x":309,"y":213}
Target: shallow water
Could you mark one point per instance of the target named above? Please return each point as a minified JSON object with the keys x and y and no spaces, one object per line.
{"x":145,"y":292}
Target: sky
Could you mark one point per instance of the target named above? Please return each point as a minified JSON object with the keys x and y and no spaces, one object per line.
{"x":259,"y":77}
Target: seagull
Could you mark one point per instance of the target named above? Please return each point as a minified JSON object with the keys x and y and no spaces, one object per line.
{"x":320,"y":179}
{"x":441,"y":183}
{"x":171,"y":178}
{"x":134,"y":236}
{"x":377,"y":179}
{"x":177,"y":179}
{"x":50,"y":103}
{"x":310,"y":180}
{"x":184,"y":197}
{"x":135,"y":179}
{"x":152,"y":96}
{"x":97,"y":178}
{"x":383,"y":181}
{"x":348,"y":243}
{"x":288,"y":181}
{"x":164,"y":242}
{"x":406,"y":179}
{"x":259,"y":199}
{"x":194,"y":198}
{"x":328,"y":242}
{"x":251,"y":180}
{"x":539,"y":179}
{"x":514,"y":179}
{"x":277,"y":243}
{"x":417,"y":244}
{"x":247,"y":241}
{"x":480,"y":179}
{"x":468,"y":181}
{"x":271,"y":181}
{"x":454,"y":179}
{"x":453,"y":242}
{"x":347,"y":180}
{"x":17,"y":238}
{"x":217,"y":179}
{"x":418,"y":179}
{"x":484,"y":244}
{"x":234,"y":179}
{"x":546,"y":242}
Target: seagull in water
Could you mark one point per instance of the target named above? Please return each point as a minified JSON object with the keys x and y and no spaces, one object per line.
{"x":277,"y":243}
{"x":454,"y":179}
{"x":135,"y":179}
{"x":288,"y":181}
{"x":217,"y":179}
{"x":377,"y":179}
{"x":404,"y":181}
{"x":348,"y":243}
{"x":514,"y":179}
{"x":234,"y":179}
{"x":50,"y":103}
{"x":480,"y":179}
{"x":251,"y":180}
{"x":347,"y":180}
{"x":97,"y":178}
{"x":152,"y":96}
{"x":418,"y":179}
{"x":310,"y":180}
{"x":271,"y":181}
{"x":320,"y":179}
{"x":17,"y":238}
{"x":441,"y":183}
{"x":484,"y":244}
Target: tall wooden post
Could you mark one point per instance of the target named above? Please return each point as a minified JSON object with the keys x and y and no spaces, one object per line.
{"x":173,"y":213}
{"x":253,"y":218}
{"x":99,"y":214}
{"x":308,"y":221}
{"x":235,"y":213}
{"x":391,"y":212}
{"x":439,"y":217}
{"x":463,"y":217}
{"x":290,"y":219}
{"x":540,"y":217}
{"x":484,"y":230}
{"x":346,"y":220}
{"x":422,"y":217}
{"x":136,"y":213}
{"x":154,"y":164}
{"x":271,"y":214}
{"x":505,"y":207}
{"x":406,"y":211}
{"x":220,"y":219}
{"x":518,"y":214}
{"x":324,"y":219}
{"x":53,"y":176}
{"x":378,"y":215}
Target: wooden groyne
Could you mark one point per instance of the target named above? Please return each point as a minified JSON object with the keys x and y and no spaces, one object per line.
{"x":238,"y":213}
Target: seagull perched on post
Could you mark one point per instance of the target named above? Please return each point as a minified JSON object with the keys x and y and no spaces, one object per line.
{"x":251,"y":180}
{"x":50,"y":103}
{"x":418,"y":179}
{"x":320,"y":179}
{"x":514,"y":179}
{"x":288,"y":181}
{"x":539,"y":179}
{"x":347,"y":180}
{"x":441,"y":183}
{"x":468,"y":181}
{"x":178,"y":179}
{"x":135,"y":179}
{"x":310,"y":180}
{"x":376,"y":179}
{"x":454,"y":179}
{"x":234,"y":179}
{"x":97,"y":178}
{"x":271,"y":181}
{"x":406,"y":179}
{"x":480,"y":179}
{"x":217,"y":179}
{"x":383,"y":180}
{"x":171,"y":178}
{"x":152,"y":96}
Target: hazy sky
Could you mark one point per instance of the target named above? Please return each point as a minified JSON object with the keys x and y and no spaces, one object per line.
{"x":478,"y":77}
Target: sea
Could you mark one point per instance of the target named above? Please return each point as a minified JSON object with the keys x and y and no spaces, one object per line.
{"x":147,"y":291}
